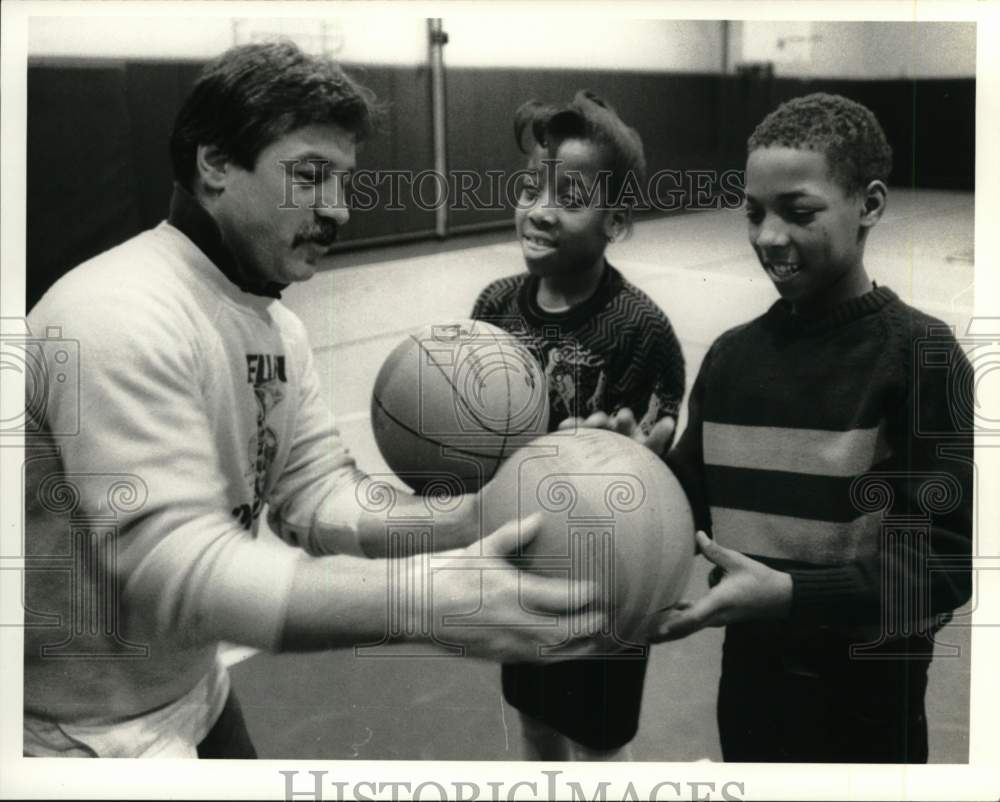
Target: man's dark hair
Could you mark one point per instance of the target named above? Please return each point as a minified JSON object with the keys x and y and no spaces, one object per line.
{"x":252,"y":95}
{"x":590,"y":118}
{"x":846,"y":132}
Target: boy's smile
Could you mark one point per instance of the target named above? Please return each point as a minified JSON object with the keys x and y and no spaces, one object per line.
{"x":807,"y":231}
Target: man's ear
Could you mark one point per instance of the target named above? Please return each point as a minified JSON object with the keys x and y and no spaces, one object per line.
{"x":213,"y":168}
{"x":875,"y":196}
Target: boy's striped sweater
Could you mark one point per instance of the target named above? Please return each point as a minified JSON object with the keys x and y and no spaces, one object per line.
{"x":805,"y":436}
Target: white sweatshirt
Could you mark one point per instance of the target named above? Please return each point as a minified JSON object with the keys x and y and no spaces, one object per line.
{"x":196,"y":403}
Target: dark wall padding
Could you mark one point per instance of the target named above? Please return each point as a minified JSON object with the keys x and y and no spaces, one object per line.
{"x":82,"y":176}
{"x":403,"y":142}
{"x":99,"y":170}
{"x":676,"y":115}
{"x":99,"y":165}
{"x":930,"y":123}
{"x":156,"y":91}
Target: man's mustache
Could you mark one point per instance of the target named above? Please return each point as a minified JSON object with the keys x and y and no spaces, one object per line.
{"x":323,"y":234}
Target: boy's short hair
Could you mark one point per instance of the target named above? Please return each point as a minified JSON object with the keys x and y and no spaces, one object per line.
{"x":587,"y":117}
{"x":252,"y":95}
{"x":846,"y":132}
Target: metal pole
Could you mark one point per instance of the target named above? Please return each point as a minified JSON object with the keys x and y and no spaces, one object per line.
{"x":726,"y":31}
{"x":437,"y":40}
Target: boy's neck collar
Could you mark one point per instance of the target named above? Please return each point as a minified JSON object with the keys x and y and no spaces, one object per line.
{"x":846,"y":311}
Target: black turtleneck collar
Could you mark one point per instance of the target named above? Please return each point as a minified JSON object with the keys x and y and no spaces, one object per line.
{"x":782,"y":316}
{"x":194,"y":221}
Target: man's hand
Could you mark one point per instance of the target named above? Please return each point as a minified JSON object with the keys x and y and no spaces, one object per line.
{"x":747,"y":590}
{"x":484,"y":603}
{"x":658,"y":440}
{"x":474,"y":597}
{"x":459,"y":527}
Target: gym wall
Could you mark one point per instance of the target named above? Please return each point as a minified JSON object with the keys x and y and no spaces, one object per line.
{"x":98,"y":167}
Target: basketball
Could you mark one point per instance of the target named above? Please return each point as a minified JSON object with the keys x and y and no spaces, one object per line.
{"x":613,"y":512}
{"x":452,"y":401}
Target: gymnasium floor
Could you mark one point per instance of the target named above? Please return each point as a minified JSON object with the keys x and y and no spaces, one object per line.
{"x":699,"y":268}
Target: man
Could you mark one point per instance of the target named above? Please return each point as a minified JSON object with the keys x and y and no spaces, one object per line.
{"x":198,"y":404}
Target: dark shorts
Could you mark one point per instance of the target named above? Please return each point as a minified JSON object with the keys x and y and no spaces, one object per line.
{"x":594,"y":702}
{"x":228,"y":737}
{"x":791,"y":694}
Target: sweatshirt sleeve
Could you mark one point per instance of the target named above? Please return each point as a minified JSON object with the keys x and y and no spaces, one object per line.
{"x":136,"y":418}
{"x":687,"y":458}
{"x":924,"y":492}
{"x":660,"y":355}
{"x":318,"y":500}
{"x":481,"y":308}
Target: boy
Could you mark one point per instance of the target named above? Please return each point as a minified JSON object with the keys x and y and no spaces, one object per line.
{"x":604,"y":346}
{"x":807,"y":425}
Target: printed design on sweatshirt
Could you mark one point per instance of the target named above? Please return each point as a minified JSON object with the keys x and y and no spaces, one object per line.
{"x":577,"y":380}
{"x":642,"y":369}
{"x":266,"y":373}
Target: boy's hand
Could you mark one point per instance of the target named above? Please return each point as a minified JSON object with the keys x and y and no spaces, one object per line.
{"x":747,"y":590}
{"x":658,"y":440}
